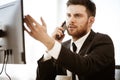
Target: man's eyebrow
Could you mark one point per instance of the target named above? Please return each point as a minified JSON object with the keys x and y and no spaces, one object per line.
{"x":78,"y":14}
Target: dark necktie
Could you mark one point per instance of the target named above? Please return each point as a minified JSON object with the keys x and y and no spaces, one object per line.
{"x":74,"y":50}
{"x":74,"y":47}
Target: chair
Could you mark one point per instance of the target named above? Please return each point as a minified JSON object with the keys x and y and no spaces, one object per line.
{"x":117,"y":72}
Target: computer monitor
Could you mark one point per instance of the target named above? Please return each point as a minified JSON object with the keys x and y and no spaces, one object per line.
{"x":11,"y":21}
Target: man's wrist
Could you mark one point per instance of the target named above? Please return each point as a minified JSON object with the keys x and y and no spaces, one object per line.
{"x":49,"y":42}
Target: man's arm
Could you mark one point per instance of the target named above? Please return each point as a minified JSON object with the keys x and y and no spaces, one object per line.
{"x":46,"y":70}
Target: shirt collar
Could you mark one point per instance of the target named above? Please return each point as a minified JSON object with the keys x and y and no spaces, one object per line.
{"x":80,"y":42}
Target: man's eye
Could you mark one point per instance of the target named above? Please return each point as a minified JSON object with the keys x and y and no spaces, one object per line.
{"x":68,"y":15}
{"x":77,"y":16}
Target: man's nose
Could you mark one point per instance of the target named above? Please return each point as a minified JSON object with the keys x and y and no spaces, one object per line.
{"x":72,"y":20}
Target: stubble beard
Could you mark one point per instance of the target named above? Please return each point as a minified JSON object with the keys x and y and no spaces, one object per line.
{"x":78,"y":34}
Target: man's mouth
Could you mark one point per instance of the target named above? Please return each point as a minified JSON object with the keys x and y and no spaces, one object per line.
{"x":71,"y":27}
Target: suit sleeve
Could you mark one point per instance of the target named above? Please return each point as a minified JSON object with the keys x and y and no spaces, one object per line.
{"x":46,"y":70}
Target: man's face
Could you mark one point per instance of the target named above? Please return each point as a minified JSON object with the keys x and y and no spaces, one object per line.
{"x":77,"y":21}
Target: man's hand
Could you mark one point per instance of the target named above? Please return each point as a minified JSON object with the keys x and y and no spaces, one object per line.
{"x":58,"y":33}
{"x":39,"y":31}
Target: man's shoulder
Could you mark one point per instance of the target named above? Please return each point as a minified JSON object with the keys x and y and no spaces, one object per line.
{"x":66,"y":42}
{"x":103,"y":36}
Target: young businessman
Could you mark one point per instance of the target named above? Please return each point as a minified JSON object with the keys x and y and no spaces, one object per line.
{"x":94,"y":55}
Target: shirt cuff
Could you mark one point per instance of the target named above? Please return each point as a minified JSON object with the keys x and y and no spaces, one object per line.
{"x":55,"y":51}
{"x":46,"y":56}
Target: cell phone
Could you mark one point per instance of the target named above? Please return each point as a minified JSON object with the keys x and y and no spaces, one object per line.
{"x":64,"y":26}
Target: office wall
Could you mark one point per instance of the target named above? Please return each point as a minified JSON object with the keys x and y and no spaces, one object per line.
{"x":39,"y":8}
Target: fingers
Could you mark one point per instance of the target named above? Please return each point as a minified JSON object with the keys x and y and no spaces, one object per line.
{"x":27,"y":30}
{"x":34,"y":28}
{"x":29,"y":23}
{"x":32,"y":24}
{"x":43,"y":22}
{"x":58,"y":33}
{"x":31,"y":20}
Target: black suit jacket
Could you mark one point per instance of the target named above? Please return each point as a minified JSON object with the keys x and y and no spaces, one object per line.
{"x":95,"y":60}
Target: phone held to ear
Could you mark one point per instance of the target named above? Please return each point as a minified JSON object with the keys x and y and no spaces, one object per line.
{"x":64,"y":26}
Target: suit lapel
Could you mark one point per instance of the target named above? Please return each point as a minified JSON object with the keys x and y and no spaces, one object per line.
{"x":86,"y":44}
{"x":67,"y":44}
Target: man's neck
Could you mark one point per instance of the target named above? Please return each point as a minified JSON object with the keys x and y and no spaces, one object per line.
{"x":74,"y":39}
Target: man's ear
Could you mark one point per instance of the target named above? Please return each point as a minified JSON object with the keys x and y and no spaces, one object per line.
{"x":91,"y":19}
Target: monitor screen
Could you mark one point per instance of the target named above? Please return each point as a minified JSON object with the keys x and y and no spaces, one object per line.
{"x":11,"y":21}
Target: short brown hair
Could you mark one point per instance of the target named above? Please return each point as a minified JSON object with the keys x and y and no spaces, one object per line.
{"x":90,"y":6}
